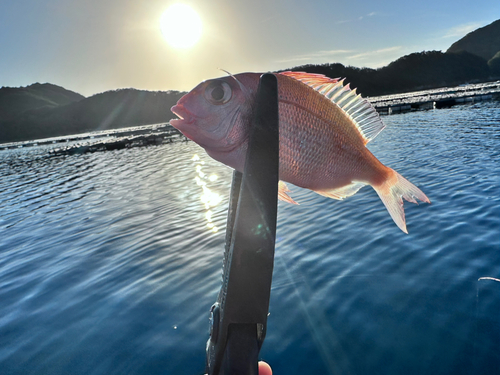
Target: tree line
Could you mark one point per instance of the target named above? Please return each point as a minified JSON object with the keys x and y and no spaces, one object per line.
{"x":417,"y":71}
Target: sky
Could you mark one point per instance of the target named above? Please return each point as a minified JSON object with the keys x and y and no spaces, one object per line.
{"x":91,"y":46}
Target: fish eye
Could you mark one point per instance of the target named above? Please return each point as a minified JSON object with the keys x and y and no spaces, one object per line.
{"x":218,"y":92}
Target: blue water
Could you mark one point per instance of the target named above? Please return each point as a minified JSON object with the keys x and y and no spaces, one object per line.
{"x":109,"y":262}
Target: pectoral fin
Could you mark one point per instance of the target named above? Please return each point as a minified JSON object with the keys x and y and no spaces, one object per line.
{"x":282,"y":193}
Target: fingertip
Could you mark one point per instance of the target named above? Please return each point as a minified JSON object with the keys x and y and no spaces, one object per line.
{"x":265,"y":369}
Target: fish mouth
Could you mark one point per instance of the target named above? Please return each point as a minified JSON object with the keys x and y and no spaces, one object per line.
{"x":185,"y":117}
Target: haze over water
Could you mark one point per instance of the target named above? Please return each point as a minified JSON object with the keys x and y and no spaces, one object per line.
{"x":110,"y":261}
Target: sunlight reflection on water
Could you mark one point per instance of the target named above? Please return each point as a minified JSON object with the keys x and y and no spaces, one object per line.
{"x":208,"y":197}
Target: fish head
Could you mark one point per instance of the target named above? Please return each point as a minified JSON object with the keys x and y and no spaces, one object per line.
{"x":214,"y":113}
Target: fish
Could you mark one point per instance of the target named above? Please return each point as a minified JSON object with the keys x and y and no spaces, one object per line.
{"x":324,"y":127}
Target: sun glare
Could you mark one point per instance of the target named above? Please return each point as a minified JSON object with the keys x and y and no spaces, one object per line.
{"x":181,"y":26}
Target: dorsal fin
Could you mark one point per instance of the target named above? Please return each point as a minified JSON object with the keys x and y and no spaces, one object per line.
{"x":360,"y":110}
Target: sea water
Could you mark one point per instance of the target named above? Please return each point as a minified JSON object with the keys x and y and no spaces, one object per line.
{"x":110,"y":261}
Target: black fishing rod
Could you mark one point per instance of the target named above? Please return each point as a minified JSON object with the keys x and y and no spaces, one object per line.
{"x":238,"y":320}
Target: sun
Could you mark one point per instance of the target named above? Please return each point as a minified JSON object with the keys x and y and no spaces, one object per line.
{"x":181,"y":26}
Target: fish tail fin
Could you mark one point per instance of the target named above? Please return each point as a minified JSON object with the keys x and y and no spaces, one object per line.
{"x":393,"y":190}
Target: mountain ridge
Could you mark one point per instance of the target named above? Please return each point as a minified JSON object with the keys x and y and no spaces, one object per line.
{"x":483,"y":42}
{"x":15,"y":100}
{"x":109,"y":110}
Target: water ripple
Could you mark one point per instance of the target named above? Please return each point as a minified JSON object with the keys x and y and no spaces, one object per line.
{"x":110,"y":261}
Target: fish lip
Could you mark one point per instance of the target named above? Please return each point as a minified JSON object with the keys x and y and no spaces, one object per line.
{"x":185,"y":117}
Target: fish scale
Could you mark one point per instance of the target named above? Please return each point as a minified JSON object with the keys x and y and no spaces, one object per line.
{"x":326,"y":128}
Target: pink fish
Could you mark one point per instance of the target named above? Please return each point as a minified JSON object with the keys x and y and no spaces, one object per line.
{"x":324,"y":129}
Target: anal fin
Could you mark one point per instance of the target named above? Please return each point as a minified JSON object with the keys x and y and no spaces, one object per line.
{"x":343,"y":192}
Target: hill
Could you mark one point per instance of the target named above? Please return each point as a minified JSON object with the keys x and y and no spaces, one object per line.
{"x":474,"y":58}
{"x":483,"y":42}
{"x":15,"y":101}
{"x":109,"y":110}
{"x":417,"y":71}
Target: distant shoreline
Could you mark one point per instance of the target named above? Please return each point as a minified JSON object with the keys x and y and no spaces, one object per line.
{"x":88,"y":138}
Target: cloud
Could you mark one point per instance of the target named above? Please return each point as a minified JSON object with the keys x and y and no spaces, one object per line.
{"x":379,"y":52}
{"x":374,"y":59}
{"x":360,"y":17}
{"x":331,"y":54}
{"x":368,"y":15}
{"x":462,"y":30}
